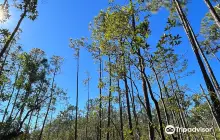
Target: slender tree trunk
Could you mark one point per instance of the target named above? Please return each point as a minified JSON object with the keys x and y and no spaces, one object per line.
{"x":13,"y":89}
{"x":88,"y":109}
{"x":77,"y":95}
{"x":49,"y":104}
{"x":38,"y":110}
{"x":15,"y":101}
{"x":213,"y":130}
{"x":192,"y":38}
{"x":214,"y":55}
{"x":173,"y":115}
{"x":109,"y":100}
{"x":97,"y":132}
{"x":144,"y":86}
{"x":213,"y":12}
{"x":113,"y":135}
{"x":212,"y":75}
{"x":161,"y":97}
{"x":143,"y":104}
{"x":36,"y":121}
{"x":181,"y":116}
{"x":4,"y":62}
{"x":120,"y":111}
{"x":128,"y":106}
{"x":133,"y":105}
{"x":28,"y":125}
{"x":100,"y":98}
{"x":127,"y":96}
{"x":147,"y":102}
{"x":49,"y":131}
{"x":17,"y":132}
{"x":2,"y":89}
{"x":162,"y":100}
{"x":210,"y":106}
{"x":157,"y":108}
{"x":183,"y":113}
{"x":9,"y":40}
{"x":27,"y":94}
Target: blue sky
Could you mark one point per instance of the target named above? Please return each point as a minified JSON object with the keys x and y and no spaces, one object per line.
{"x":60,"y":20}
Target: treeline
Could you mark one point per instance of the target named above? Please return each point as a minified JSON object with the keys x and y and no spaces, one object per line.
{"x":140,"y":90}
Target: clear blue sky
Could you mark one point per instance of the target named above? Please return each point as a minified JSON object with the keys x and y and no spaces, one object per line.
{"x":60,"y":20}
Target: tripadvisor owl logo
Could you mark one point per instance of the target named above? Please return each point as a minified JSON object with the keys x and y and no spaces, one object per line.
{"x":170,"y":129}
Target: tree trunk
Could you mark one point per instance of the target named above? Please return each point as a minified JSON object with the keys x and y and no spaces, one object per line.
{"x":120,"y":111}
{"x":162,"y":100}
{"x":51,"y":118}
{"x":161,"y":97}
{"x":100,"y":98}
{"x":183,"y":113}
{"x":210,"y":106}
{"x":181,"y":116}
{"x":4,"y":62}
{"x":77,"y":96}
{"x":26,"y":96}
{"x":192,"y":38}
{"x":9,"y":40}
{"x":175,"y":120}
{"x":127,"y":95}
{"x":88,"y":108}
{"x":109,"y":100}
{"x":2,"y":89}
{"x":213,"y":12}
{"x":212,"y":75}
{"x":157,"y":108}
{"x":133,"y":105}
{"x":28,"y":125}
{"x":144,"y":86}
{"x":17,"y":132}
{"x":15,"y":101}
{"x":49,"y":104}
{"x":13,"y":89}
{"x":36,"y":121}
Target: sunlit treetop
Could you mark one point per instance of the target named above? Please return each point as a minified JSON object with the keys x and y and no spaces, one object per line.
{"x":4,"y":13}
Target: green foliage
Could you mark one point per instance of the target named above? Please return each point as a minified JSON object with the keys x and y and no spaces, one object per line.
{"x":211,"y":34}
